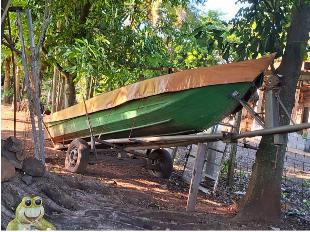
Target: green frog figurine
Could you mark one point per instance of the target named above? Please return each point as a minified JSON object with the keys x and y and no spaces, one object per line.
{"x":29,"y":216}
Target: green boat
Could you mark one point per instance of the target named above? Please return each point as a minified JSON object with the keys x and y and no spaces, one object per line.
{"x":185,"y":102}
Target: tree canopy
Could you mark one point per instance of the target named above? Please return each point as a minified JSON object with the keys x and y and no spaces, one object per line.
{"x":263,"y":26}
{"x":114,"y":43}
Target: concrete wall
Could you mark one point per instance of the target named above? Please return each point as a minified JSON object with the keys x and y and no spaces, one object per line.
{"x":295,"y":140}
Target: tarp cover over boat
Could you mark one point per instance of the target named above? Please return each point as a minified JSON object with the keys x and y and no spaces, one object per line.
{"x":244,"y":71}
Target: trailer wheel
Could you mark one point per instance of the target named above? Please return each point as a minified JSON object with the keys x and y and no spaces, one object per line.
{"x":160,"y":163}
{"x":77,"y":156}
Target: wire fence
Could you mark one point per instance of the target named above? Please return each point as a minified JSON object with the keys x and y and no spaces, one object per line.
{"x":295,"y":187}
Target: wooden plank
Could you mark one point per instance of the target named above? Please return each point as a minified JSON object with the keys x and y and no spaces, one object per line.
{"x":196,"y":177}
{"x":169,"y":139}
{"x":272,"y":109}
{"x":305,"y":76}
{"x":161,"y":145}
{"x":233,"y":152}
{"x":272,"y":114}
{"x":226,"y":136}
{"x":119,"y":148}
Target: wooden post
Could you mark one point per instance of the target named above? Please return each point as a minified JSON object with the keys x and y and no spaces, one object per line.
{"x":196,"y":177}
{"x":211,"y":154}
{"x":233,"y":152}
{"x":272,"y":110}
{"x":272,"y":102}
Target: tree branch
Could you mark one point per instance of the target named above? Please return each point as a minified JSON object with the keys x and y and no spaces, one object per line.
{"x":11,"y":47}
{"x":46,"y":22}
{"x":59,"y":67}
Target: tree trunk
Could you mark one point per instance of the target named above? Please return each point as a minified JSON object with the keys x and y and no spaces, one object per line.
{"x":262,"y":200}
{"x":31,"y":80}
{"x":7,"y":81}
{"x":69,"y":90}
{"x":88,"y":89}
{"x":41,"y":76}
{"x":92,"y":88}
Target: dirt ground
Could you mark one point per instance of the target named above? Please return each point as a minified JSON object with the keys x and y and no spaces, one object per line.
{"x":115,"y":194}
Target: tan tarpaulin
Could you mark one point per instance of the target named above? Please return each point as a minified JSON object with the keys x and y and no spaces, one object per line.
{"x":245,"y":71}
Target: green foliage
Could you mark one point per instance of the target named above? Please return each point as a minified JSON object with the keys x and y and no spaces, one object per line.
{"x":86,"y":58}
{"x":116,"y":43}
{"x":307,"y":183}
{"x":225,"y":166}
{"x":262,"y":27}
{"x":307,"y":203}
{"x":121,"y":42}
{"x":284,"y":195}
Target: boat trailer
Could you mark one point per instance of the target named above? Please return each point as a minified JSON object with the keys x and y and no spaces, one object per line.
{"x":159,"y":161}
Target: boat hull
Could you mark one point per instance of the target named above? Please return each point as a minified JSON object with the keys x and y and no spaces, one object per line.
{"x":182,"y":112}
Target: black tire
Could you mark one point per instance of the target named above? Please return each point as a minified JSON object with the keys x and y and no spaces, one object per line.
{"x":162,"y":160}
{"x":77,"y":156}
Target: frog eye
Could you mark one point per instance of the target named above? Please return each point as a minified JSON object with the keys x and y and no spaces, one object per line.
{"x":28,"y":202}
{"x":38,"y":201}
